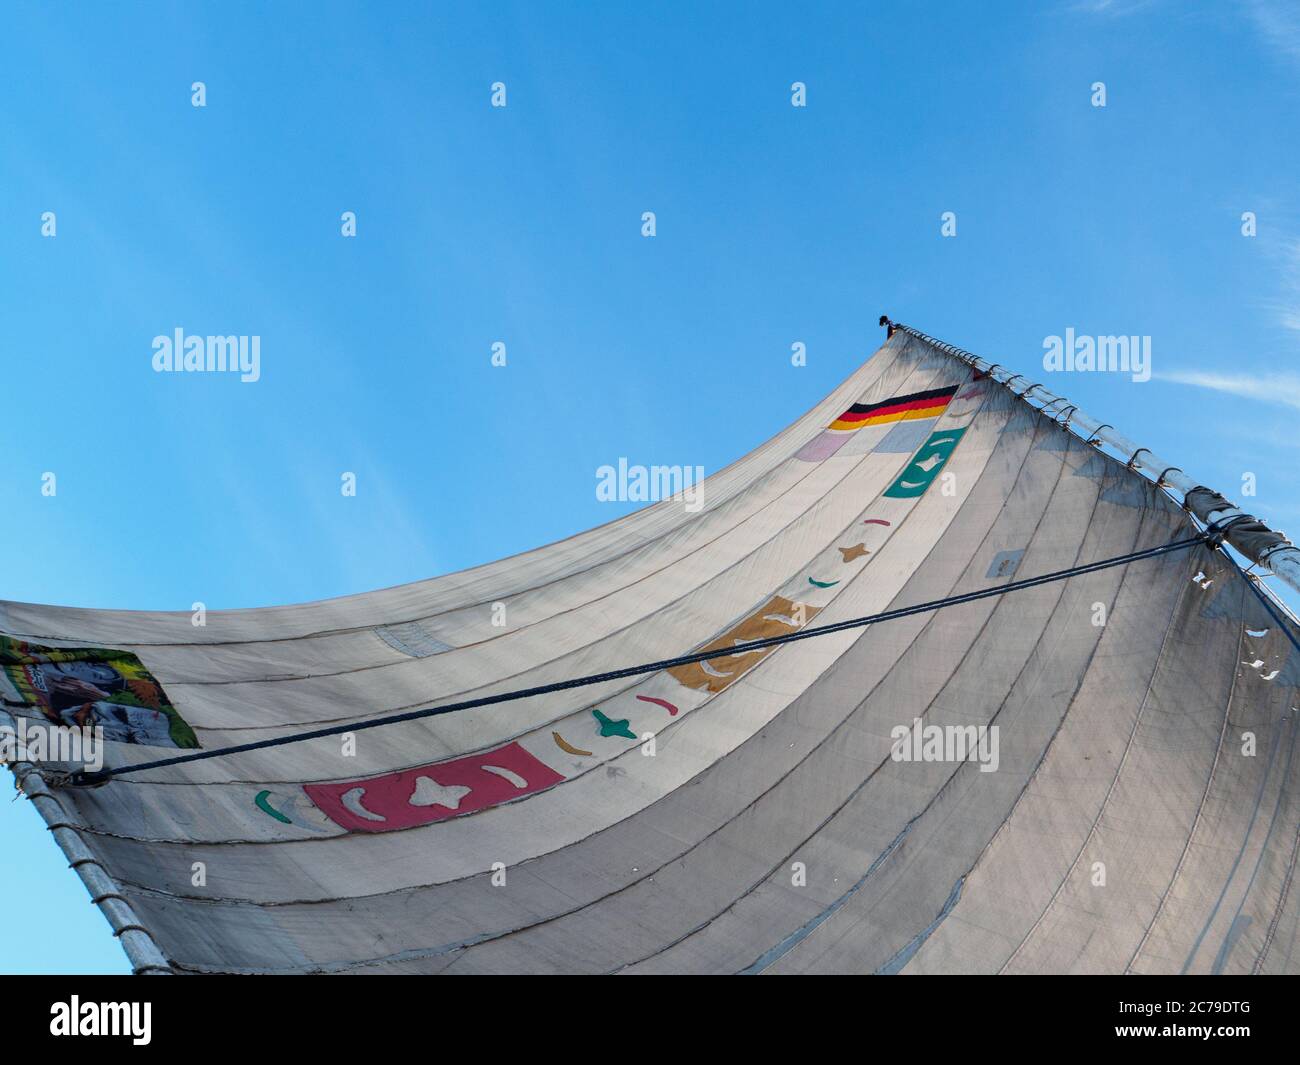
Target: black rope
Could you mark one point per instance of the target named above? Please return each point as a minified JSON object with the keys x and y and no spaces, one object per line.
{"x":103,"y":775}
{"x":1217,"y":531}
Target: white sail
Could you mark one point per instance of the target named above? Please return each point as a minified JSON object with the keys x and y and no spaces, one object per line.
{"x":1054,"y":780}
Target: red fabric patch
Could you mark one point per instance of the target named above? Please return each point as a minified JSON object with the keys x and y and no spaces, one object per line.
{"x":389,"y":796}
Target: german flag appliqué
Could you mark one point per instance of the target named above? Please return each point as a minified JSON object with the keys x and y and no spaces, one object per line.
{"x":899,"y":409}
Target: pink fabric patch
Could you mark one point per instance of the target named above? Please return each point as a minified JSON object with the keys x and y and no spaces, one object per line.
{"x":823,"y":445}
{"x":388,"y":797}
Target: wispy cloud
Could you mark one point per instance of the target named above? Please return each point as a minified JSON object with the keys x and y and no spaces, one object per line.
{"x":1279,"y":23}
{"x":1287,"y":303}
{"x":1256,"y":432}
{"x":1282,"y":389}
{"x":1111,"y":7}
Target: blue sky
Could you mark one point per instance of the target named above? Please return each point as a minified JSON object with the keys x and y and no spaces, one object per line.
{"x":522,"y":225}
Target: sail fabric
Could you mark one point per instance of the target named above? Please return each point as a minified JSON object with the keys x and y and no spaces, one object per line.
{"x":776,"y":810}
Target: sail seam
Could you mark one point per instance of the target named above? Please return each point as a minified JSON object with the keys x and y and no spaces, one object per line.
{"x":90,"y":779}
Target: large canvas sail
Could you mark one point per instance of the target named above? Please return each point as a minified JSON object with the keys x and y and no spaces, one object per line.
{"x":1095,"y":774}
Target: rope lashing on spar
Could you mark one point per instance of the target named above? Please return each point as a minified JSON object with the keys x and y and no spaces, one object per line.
{"x":1218,"y":530}
{"x":104,"y":775}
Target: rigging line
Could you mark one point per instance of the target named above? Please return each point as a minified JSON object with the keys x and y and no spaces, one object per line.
{"x":1214,"y":533}
{"x":84,"y":779}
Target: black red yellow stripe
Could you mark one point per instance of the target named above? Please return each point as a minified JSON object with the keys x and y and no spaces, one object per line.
{"x":929,"y":404}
